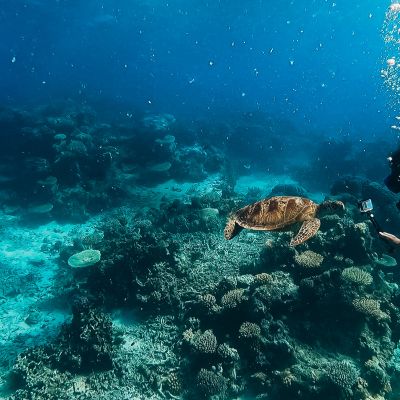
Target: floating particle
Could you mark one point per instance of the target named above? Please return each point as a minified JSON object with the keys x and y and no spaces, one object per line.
{"x":395,"y":127}
{"x":13,"y":59}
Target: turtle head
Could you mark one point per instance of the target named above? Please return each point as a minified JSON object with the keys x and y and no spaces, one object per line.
{"x":231,"y":229}
{"x":331,"y":207}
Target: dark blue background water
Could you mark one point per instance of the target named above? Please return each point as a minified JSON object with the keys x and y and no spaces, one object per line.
{"x":315,"y":62}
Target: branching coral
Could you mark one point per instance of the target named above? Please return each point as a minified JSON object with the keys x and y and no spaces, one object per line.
{"x":249,"y":330}
{"x":262,"y":278}
{"x":209,"y":303}
{"x":87,"y":343}
{"x":200,"y":253}
{"x":173,"y":384}
{"x":245,"y":280}
{"x":233,"y":298}
{"x":379,"y":380}
{"x":309,"y":259}
{"x":211,"y":383}
{"x":46,"y":372}
{"x":227,"y":353}
{"x":357,"y":275}
{"x":278,"y":286}
{"x":369,"y":307}
{"x":33,"y":376}
{"x":205,"y":343}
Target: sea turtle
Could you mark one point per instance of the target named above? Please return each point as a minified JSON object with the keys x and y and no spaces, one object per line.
{"x":279,"y":212}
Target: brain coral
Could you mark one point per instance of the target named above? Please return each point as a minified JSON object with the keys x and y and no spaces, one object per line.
{"x":85,"y":258}
{"x":357,"y":276}
{"x":309,"y":259}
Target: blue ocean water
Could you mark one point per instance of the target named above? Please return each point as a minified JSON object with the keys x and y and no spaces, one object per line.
{"x":179,"y":199}
{"x":315,"y":63}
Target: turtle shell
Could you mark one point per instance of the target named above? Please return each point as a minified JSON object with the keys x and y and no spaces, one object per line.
{"x":275,"y":213}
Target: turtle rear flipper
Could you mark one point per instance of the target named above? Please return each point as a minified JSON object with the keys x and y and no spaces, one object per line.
{"x":308,"y":229}
{"x":232,"y":228}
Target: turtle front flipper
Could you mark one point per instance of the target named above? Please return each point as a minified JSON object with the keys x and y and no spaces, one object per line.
{"x":308,"y":229}
{"x":232,"y":228}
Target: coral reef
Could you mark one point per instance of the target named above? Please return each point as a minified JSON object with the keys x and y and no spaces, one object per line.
{"x":210,"y":383}
{"x":369,"y":307}
{"x":249,"y":330}
{"x":309,"y":259}
{"x":357,"y":275}
{"x":280,"y":311}
{"x":342,"y":374}
{"x":195,"y":316}
{"x":204,"y":343}
{"x":84,"y":345}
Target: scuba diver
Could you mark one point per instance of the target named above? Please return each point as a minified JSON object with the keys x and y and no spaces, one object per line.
{"x":392,"y":182}
{"x":390,"y":238}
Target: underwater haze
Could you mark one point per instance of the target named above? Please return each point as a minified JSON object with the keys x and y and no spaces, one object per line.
{"x":314,"y":62}
{"x":199,"y":200}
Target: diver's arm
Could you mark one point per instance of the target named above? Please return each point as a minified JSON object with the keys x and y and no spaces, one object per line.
{"x":390,"y":238}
